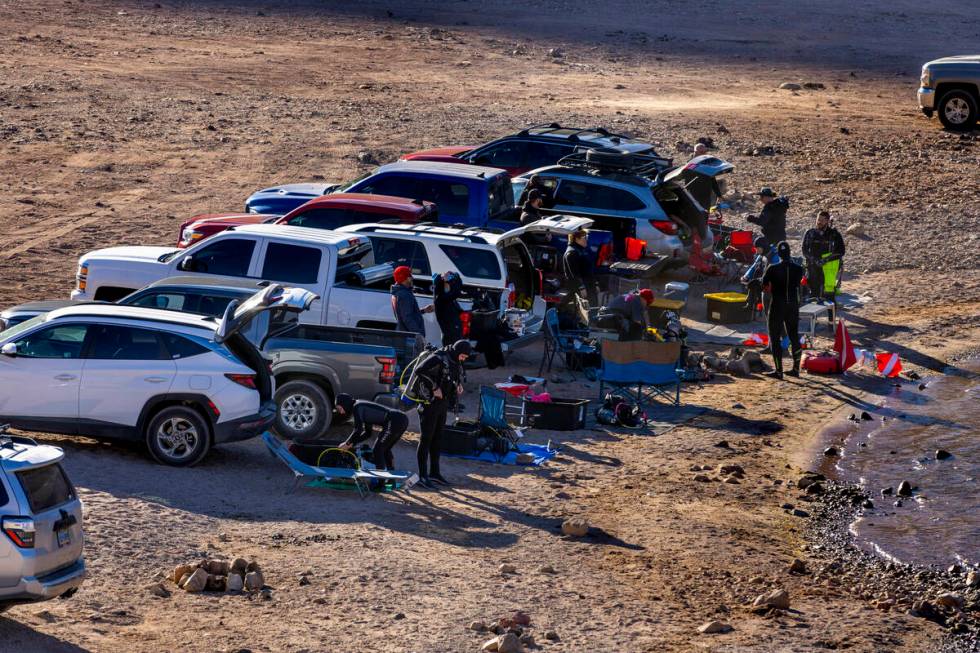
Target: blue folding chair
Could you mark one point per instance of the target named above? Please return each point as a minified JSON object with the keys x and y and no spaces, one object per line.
{"x":492,"y":414}
{"x":642,"y":370}
{"x":557,"y":341}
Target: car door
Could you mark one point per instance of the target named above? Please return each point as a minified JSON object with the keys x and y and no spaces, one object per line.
{"x":223,"y":255}
{"x":508,"y":155}
{"x":124,"y":367}
{"x":40,"y":378}
{"x":300,"y":266}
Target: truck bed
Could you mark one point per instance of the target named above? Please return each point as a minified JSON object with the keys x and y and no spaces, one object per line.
{"x":406,"y":345}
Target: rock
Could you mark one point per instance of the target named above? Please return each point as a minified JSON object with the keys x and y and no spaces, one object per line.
{"x":866,"y":416}
{"x":521,"y":618}
{"x":800,"y":513}
{"x":546,"y":569}
{"x":219,"y":567}
{"x":239,"y":566}
{"x":950,"y":600}
{"x":735,"y":470}
{"x":183,"y":579}
{"x":266,"y":594}
{"x":216,"y":583}
{"x":366,"y":157}
{"x":527,"y":639}
{"x":507,"y":568}
{"x":973,"y":579}
{"x":868,"y":504}
{"x":738,"y":405}
{"x":813,"y":86}
{"x":723,"y":444}
{"x":235,"y":583}
{"x":551,"y":636}
{"x":398,"y":616}
{"x":733,"y":480}
{"x":887,"y":491}
{"x":797,"y":566}
{"x":904,"y":489}
{"x":701,"y":478}
{"x":509,"y":643}
{"x":790,"y":86}
{"x":815,"y":488}
{"x":778,"y":599}
{"x":575,"y":527}
{"x":180,"y":571}
{"x":157,"y":589}
{"x":254,"y":581}
{"x":942,"y":454}
{"x":713,"y":627}
{"x":491,"y":644}
{"x":856,"y":229}
{"x":304,"y":580}
{"x":831,"y":451}
{"x":898,"y":503}
{"x":556,"y":53}
{"x":478,"y":626}
{"x":787,"y":506}
{"x":196,"y":582}
{"x":252,"y":566}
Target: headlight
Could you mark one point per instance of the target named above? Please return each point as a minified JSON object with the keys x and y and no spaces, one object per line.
{"x":81,"y":277}
{"x":189,"y":236}
{"x":926,"y":78}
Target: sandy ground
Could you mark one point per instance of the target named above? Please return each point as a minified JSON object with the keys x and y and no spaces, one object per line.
{"x":119,"y":120}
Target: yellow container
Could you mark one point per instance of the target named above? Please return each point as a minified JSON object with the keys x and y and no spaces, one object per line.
{"x":727,"y":308}
{"x":727,"y":297}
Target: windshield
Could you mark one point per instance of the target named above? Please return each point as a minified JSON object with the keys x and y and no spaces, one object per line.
{"x":345,"y":187}
{"x":11,"y":334}
{"x":501,"y":198}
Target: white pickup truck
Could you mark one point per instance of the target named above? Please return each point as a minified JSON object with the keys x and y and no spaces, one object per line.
{"x":349,"y":269}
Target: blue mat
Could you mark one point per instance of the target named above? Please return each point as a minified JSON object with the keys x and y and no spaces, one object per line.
{"x":540,"y":452}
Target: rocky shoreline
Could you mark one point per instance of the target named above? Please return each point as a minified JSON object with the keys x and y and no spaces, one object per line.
{"x":949,"y":597}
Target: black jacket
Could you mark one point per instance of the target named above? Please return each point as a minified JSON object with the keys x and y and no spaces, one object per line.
{"x":446,"y":296}
{"x":579,"y":272}
{"x":783,"y":280}
{"x":530,"y":214}
{"x":367,"y":415}
{"x":408,"y":317}
{"x":772,"y":220}
{"x":819,"y":243}
{"x":440,"y":371}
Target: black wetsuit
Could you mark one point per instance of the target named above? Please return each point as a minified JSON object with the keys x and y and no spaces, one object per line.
{"x":782,"y":280}
{"x":437,"y":371}
{"x":772,"y":220}
{"x":393,"y":424}
{"x":579,"y":272}
{"x":446,"y":296}
{"x":820,"y":246}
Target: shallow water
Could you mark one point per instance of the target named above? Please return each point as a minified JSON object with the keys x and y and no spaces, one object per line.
{"x":940,"y":524}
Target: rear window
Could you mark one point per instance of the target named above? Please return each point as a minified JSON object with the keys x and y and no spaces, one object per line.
{"x":181,"y":347}
{"x":451,"y":198}
{"x":46,"y":487}
{"x":576,"y":193}
{"x":472,"y":262}
{"x":291,"y":263}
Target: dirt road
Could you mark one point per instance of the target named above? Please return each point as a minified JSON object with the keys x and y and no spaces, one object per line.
{"x":120,"y":120}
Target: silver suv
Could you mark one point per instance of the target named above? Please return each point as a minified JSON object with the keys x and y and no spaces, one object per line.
{"x":41,"y":545}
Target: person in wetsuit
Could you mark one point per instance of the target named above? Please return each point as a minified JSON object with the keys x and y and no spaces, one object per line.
{"x":447,"y":288}
{"x":772,"y":218}
{"x":823,"y":249}
{"x":440,"y":377}
{"x":782,"y":281}
{"x":368,"y":415}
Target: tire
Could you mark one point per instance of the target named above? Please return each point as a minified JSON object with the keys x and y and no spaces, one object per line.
{"x":190,"y":448}
{"x":303,"y":410}
{"x":958,"y":110}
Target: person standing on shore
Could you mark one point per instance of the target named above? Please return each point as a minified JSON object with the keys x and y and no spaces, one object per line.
{"x":578,"y":267}
{"x":447,"y":288}
{"x":772,"y":218}
{"x":441,"y":377}
{"x":782,"y":280}
{"x":823,"y":249}
{"x":408,"y":316}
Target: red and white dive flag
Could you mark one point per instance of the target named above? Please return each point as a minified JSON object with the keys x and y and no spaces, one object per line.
{"x":844,"y":348}
{"x":889,"y":364}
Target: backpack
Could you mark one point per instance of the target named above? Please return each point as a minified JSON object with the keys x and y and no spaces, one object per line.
{"x":616,"y":410}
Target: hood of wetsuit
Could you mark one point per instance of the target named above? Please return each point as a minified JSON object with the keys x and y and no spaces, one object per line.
{"x":783,"y":250}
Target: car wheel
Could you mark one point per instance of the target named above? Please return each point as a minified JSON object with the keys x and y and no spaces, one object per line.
{"x":958,"y":110}
{"x":303,"y":410}
{"x":178,"y":436}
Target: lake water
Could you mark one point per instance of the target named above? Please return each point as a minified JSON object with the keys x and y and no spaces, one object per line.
{"x":940,"y":524}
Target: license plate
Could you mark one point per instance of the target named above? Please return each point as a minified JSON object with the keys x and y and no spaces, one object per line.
{"x":64,"y":537}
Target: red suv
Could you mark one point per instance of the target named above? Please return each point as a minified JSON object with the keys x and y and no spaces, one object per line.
{"x":326,"y":212}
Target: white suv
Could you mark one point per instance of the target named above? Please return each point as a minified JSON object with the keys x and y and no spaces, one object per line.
{"x":176,"y":381}
{"x":327,"y":263}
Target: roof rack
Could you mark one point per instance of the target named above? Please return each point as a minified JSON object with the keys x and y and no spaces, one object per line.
{"x":472,"y":234}
{"x":611,"y":160}
{"x":551,"y":126}
{"x":601,"y":131}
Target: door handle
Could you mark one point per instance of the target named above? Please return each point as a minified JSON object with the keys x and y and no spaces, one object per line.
{"x":156,"y":379}
{"x":66,"y":377}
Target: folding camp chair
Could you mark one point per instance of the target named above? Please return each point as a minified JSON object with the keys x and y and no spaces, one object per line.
{"x":492,"y":413}
{"x":568,"y":342}
{"x":642,"y":369}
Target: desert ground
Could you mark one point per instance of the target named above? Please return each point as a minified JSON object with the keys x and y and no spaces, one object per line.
{"x":118,"y":120}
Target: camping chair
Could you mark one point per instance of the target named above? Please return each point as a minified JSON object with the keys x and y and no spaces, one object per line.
{"x":492,"y":414}
{"x":557,"y":342}
{"x":642,"y":369}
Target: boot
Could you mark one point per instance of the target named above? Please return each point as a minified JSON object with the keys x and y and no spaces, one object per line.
{"x":778,"y":372}
{"x":795,"y":372}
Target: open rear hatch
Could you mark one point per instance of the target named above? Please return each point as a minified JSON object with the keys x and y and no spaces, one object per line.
{"x":702,"y":178}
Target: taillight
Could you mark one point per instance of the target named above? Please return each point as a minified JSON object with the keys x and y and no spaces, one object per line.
{"x":605,"y":255}
{"x":20,"y":530}
{"x":666,"y":226}
{"x":387,"y":376}
{"x":512,"y":295}
{"x":81,"y":277}
{"x":247,"y":380}
{"x":465,"y":317}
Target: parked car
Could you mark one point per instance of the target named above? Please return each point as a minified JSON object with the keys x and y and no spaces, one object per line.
{"x":951,"y":87}
{"x":41,"y":548}
{"x":178,"y":382}
{"x":326,"y":212}
{"x":332,"y":265}
{"x":534,"y":147}
{"x":635,"y":197}
{"x":310,"y":364}
{"x":470,"y":195}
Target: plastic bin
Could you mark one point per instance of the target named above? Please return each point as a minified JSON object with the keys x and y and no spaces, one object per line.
{"x":460,"y":438}
{"x":557,"y":415}
{"x":635,"y":248}
{"x":741,"y":239}
{"x":727,"y":308}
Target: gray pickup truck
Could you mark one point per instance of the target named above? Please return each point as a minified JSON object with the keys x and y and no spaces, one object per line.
{"x":311,"y":364}
{"x":950,"y":87}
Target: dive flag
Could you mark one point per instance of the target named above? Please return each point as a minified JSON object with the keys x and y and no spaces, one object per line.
{"x":843,"y":346}
{"x":889,"y":364}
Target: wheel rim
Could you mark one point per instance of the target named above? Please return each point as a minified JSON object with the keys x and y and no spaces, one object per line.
{"x":298,"y":412}
{"x":957,"y":111}
{"x":178,"y":438}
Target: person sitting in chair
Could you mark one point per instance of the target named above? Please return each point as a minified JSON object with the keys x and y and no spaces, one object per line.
{"x":368,"y":415}
{"x":630,"y":312}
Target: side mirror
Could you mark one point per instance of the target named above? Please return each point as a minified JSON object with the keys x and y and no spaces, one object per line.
{"x":9,"y":349}
{"x":187,"y":265}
